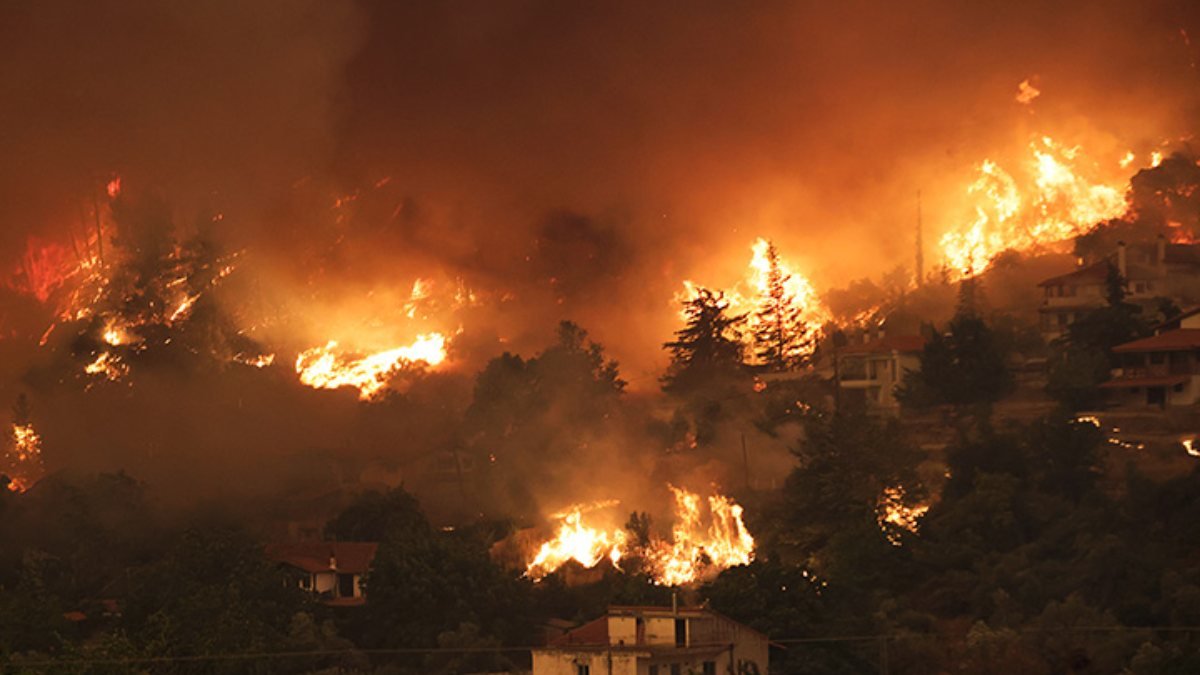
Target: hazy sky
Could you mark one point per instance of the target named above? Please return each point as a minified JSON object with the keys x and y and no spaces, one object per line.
{"x":585,"y":157}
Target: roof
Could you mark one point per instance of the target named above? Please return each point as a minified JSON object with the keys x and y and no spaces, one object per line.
{"x":1177,"y":321}
{"x":1138,"y":382}
{"x":351,"y":557}
{"x":1094,"y":273}
{"x":594,"y":632}
{"x":886,"y":345}
{"x":1180,"y":339}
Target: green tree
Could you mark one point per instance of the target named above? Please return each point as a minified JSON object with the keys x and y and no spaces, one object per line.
{"x":374,"y":516}
{"x":1083,"y":359}
{"x":963,"y":366}
{"x":708,"y":349}
{"x":212,"y":593}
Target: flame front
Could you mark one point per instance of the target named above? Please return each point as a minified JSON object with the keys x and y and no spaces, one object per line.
{"x":1053,"y":204}
{"x":576,"y":541}
{"x":328,"y":367}
{"x":694,"y":551}
{"x":748,"y":295}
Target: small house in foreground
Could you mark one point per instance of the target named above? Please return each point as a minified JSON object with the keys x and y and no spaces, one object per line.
{"x":333,"y":571}
{"x":655,"y":641}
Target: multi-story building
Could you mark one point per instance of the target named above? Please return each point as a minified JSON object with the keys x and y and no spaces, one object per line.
{"x":869,"y":372}
{"x":1149,"y":271}
{"x":1160,"y":371}
{"x":656,"y":641}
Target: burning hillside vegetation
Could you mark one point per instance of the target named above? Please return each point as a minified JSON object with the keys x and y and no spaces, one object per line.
{"x":707,"y":536}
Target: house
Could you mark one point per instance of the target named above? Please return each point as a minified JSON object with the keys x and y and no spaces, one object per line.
{"x":655,"y":641}
{"x":869,"y":372}
{"x":1158,"y":270}
{"x":333,"y":571}
{"x":1160,"y":371}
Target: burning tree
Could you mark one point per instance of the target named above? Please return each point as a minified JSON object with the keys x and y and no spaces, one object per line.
{"x":708,"y":348}
{"x":780,"y":335}
{"x":22,"y":458}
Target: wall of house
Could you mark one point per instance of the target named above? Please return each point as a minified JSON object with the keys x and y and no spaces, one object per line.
{"x":564,"y":662}
{"x":324,"y":582}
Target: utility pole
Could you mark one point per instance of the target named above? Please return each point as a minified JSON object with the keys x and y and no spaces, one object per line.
{"x":920,"y":245}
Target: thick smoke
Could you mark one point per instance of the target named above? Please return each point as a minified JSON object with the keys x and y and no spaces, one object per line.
{"x":561,"y":160}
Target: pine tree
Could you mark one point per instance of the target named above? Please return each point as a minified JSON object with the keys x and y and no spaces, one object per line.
{"x":780,"y":334}
{"x":708,"y":346}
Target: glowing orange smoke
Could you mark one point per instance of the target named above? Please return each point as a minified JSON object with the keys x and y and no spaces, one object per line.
{"x":328,"y":367}
{"x":694,"y":552}
{"x":1050,"y":201}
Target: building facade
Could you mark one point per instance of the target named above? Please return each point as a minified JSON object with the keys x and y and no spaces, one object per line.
{"x":868,"y":373}
{"x":1149,"y":272}
{"x":656,"y":641}
{"x":1161,"y":371}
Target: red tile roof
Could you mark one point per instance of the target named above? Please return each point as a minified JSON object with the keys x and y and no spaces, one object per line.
{"x":592,"y":633}
{"x":887,"y":344}
{"x":1180,"y":339}
{"x":1138,"y":382}
{"x":351,"y":557}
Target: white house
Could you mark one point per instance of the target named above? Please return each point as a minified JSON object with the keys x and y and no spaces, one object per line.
{"x":656,"y":641}
{"x":869,"y":372}
{"x":333,"y":571}
{"x":1160,"y":371}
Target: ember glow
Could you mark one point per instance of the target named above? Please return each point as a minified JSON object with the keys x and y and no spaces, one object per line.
{"x":1054,"y":195}
{"x":330,"y":367}
{"x":894,"y":512}
{"x":22,"y":457}
{"x":693,"y":553}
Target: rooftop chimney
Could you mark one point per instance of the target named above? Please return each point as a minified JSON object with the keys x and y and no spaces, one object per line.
{"x":1122,"y":262}
{"x":1161,"y":251}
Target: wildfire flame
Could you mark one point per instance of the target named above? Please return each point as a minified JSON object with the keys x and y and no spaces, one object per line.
{"x":747,"y":295}
{"x":23,"y":458}
{"x":694,"y":551}
{"x":893,"y":512}
{"x":328,"y":367}
{"x":1052,"y":203}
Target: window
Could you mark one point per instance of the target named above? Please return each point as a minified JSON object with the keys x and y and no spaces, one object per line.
{"x":680,"y":634}
{"x":676,"y":669}
{"x":710,"y":668}
{"x":653,"y":670}
{"x":583,"y":669}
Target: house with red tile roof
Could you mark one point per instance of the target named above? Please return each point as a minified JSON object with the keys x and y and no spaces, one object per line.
{"x":1150,"y":271}
{"x":333,"y":571}
{"x":1160,"y":371}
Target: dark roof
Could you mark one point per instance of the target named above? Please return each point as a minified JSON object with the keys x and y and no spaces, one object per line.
{"x":887,"y":344}
{"x":1180,"y":339}
{"x":1176,"y":321}
{"x":1138,"y":382}
{"x":352,"y":557}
